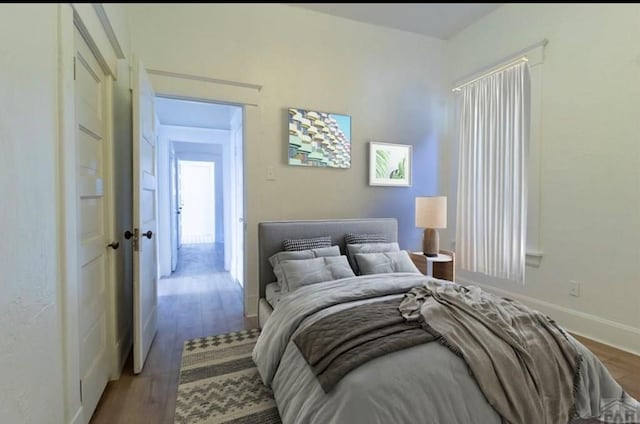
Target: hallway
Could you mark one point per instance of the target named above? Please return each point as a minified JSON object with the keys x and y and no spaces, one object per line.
{"x":198,"y":300}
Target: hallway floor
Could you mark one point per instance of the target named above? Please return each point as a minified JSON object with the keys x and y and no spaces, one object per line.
{"x":198,"y":300}
{"x":199,"y":259}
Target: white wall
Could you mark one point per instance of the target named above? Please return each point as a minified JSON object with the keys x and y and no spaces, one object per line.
{"x":590,"y":158}
{"x":30,"y":311}
{"x":393,"y":84}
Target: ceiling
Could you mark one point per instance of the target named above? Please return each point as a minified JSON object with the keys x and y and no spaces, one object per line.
{"x":440,"y":20}
{"x":189,"y":113}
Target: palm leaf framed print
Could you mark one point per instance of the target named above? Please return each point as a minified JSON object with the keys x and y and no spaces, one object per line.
{"x":389,"y":164}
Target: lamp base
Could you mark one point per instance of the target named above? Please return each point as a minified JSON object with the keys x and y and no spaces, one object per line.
{"x":430,"y":243}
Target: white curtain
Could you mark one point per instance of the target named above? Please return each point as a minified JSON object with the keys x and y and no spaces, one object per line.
{"x":492,"y":187}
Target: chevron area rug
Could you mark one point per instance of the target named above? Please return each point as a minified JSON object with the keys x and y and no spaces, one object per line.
{"x":219,"y":382}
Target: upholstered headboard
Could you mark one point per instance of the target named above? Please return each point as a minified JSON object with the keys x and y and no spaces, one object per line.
{"x":271,"y":235}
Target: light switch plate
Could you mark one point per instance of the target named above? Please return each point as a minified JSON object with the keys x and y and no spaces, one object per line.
{"x":271,"y":173}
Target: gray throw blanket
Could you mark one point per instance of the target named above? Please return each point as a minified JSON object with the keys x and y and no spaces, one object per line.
{"x":340,"y":342}
{"x":522,"y":361}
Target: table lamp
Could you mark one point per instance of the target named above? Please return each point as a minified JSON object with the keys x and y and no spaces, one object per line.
{"x":431,"y":214}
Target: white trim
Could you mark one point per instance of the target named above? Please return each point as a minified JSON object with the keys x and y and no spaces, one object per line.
{"x":240,"y":84}
{"x":533,"y":259}
{"x":86,"y":19}
{"x":67,"y":204}
{"x":620,"y":336}
{"x":78,"y":417}
{"x":251,"y":302}
{"x":108,"y":29}
{"x":189,"y":87}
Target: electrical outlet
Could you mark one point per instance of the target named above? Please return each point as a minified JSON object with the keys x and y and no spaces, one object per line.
{"x":574,"y":288}
{"x":271,"y":173}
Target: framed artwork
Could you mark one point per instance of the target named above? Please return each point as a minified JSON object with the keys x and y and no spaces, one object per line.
{"x":319,"y":139}
{"x":389,"y":164}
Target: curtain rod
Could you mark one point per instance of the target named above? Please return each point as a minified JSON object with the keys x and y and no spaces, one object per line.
{"x":493,"y":71}
{"x":500,"y":65}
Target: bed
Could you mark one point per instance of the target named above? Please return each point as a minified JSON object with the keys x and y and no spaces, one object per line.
{"x":425,"y":383}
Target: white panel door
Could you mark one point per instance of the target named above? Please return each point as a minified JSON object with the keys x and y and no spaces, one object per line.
{"x":145,"y":258}
{"x":92,"y":243}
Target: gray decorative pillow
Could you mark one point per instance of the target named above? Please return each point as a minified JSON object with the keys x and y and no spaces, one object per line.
{"x":353,"y":249}
{"x":298,"y":273}
{"x":292,"y":245}
{"x":353,"y":238}
{"x":381,"y":263}
{"x":276,"y":259}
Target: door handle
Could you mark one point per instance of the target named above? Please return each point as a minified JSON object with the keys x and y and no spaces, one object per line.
{"x":148,"y":234}
{"x":128,"y":234}
{"x":114,"y":245}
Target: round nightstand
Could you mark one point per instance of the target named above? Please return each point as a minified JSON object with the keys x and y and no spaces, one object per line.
{"x":441,"y":266}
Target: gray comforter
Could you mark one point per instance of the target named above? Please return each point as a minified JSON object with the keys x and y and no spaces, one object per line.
{"x":421,"y":384}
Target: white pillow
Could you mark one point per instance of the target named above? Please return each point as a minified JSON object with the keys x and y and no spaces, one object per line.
{"x":276,"y":259}
{"x":381,"y":263}
{"x":298,"y":273}
{"x":354,"y":249}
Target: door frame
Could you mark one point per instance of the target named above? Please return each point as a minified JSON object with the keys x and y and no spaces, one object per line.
{"x":95,"y":29}
{"x":247,"y":97}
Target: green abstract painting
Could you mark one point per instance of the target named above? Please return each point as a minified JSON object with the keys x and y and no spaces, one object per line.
{"x":390,"y":164}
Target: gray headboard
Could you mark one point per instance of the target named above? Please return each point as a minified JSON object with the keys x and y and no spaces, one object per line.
{"x":271,"y":235}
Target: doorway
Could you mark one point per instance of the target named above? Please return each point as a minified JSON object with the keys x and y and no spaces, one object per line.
{"x":200,"y":205}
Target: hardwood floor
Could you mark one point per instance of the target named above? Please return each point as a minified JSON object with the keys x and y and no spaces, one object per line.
{"x":623,"y":366}
{"x":204,"y":304}
{"x":198,"y":302}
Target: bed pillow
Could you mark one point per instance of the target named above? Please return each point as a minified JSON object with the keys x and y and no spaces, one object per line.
{"x":298,"y":273}
{"x":276,"y":259}
{"x":353,"y":238}
{"x":381,"y":263}
{"x":354,"y":249}
{"x":292,"y":245}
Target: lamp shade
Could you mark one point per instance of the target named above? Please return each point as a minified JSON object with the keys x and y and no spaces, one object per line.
{"x":431,"y":212}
